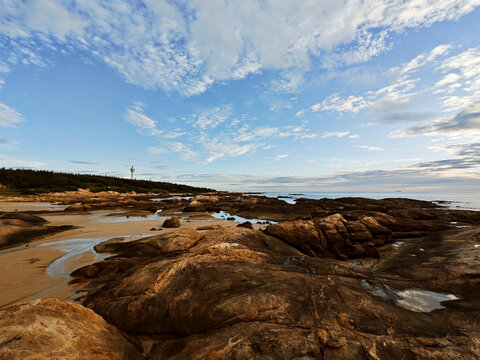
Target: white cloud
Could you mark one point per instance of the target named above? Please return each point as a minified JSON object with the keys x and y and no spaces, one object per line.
{"x":8,"y":116}
{"x":300,"y":113}
{"x":11,"y":162}
{"x":338,"y":134}
{"x":186,"y":47}
{"x":369,"y":148}
{"x":334,"y":102}
{"x":186,"y":153}
{"x":210,"y":118}
{"x":280,"y":157}
{"x":157,"y":150}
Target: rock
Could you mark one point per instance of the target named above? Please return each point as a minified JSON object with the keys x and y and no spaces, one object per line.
{"x":206,"y":198}
{"x":195,"y":206}
{"x":28,"y":218}
{"x":75,"y":207}
{"x":334,"y":231}
{"x":372,"y":252}
{"x":357,"y":231}
{"x":301,"y":234}
{"x":246,"y":224}
{"x":52,"y":329}
{"x":378,"y":231}
{"x":173,"y":222}
{"x":357,"y":250}
{"x":233,"y":293}
{"x":230,"y":218}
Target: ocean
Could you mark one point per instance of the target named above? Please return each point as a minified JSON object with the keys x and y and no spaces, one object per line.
{"x":452,"y":200}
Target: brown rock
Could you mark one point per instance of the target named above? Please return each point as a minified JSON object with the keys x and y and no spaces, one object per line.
{"x":334,"y":231}
{"x":52,"y":329}
{"x":357,"y":231}
{"x":246,"y":224}
{"x":302,"y":234}
{"x":372,"y":252}
{"x":377,"y":230}
{"x":173,"y":222}
{"x":195,"y":206}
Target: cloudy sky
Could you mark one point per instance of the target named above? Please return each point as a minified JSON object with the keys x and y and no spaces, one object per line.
{"x":320,"y":95}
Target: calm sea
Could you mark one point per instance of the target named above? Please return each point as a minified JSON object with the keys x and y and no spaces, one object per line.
{"x":453,"y":200}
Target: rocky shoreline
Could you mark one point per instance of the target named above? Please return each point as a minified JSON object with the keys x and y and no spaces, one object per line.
{"x":348,"y":278}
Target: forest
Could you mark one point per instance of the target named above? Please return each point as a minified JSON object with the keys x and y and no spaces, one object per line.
{"x":31,"y":182}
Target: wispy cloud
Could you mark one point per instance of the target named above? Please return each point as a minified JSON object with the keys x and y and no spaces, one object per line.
{"x":80,"y":162}
{"x":280,"y":157}
{"x":369,"y":148}
{"x":466,"y":122}
{"x":8,"y":116}
{"x":189,"y":46}
{"x":338,"y":134}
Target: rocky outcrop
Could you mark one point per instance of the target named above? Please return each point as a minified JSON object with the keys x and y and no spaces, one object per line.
{"x":52,"y":329}
{"x":234,"y":293}
{"x":333,"y":236}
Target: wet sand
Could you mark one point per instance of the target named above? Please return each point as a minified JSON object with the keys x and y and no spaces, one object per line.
{"x":41,"y":268}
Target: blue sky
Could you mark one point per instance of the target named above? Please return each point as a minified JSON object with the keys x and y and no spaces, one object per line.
{"x":245,"y":95}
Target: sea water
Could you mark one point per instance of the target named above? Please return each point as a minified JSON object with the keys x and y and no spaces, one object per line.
{"x":452,"y":200}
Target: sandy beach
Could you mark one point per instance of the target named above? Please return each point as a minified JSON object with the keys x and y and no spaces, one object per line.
{"x":41,"y":268}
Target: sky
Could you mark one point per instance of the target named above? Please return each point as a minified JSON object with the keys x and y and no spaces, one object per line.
{"x":246,"y":95}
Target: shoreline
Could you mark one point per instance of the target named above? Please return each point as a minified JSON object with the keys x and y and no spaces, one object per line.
{"x":24,"y":267}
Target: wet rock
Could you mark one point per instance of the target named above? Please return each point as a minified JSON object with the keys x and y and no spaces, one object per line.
{"x":173,"y":222}
{"x":52,"y":329}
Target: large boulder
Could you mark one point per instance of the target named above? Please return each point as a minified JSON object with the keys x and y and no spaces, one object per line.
{"x":173,"y":222}
{"x":53,"y":329}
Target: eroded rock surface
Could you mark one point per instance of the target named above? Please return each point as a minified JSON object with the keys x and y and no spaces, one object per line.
{"x":52,"y":329}
{"x":237,"y":293}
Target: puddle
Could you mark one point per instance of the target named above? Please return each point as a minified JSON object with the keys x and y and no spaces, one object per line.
{"x":77,"y":248}
{"x":416,"y":300}
{"x":353,"y":264}
{"x":287,"y":199}
{"x":398,"y":243}
{"x":72,"y":247}
{"x":224,"y":215}
{"x":294,"y":263}
{"x":476,"y":245}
